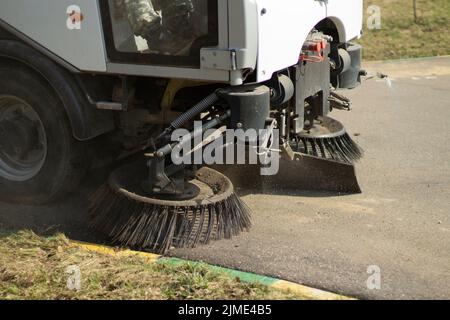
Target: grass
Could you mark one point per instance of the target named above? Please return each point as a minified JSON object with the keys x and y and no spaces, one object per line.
{"x":402,"y":37}
{"x":33,"y":267}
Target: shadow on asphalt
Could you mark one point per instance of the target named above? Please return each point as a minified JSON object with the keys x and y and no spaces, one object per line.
{"x":70,"y":215}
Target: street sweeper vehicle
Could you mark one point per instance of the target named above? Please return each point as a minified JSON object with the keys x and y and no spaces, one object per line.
{"x":185,"y":94}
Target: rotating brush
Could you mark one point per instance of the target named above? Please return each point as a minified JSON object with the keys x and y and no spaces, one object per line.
{"x":328,"y":139}
{"x":129,"y":217}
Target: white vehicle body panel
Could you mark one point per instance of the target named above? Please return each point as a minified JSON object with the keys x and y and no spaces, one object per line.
{"x":348,"y":17}
{"x":286,"y":24}
{"x":282,"y":31}
{"x":45,"y":22}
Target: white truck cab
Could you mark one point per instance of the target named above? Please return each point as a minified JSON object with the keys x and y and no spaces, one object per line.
{"x":264,"y":36}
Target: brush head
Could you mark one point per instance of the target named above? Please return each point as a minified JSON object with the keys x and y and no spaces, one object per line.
{"x":328,"y":139}
{"x":121,"y":210}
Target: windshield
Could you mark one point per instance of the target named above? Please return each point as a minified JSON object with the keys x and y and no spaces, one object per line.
{"x":160,"y":27}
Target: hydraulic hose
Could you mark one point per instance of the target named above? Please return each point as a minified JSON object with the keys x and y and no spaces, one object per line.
{"x":190,"y":114}
{"x":194,"y":111}
{"x":167,"y":149}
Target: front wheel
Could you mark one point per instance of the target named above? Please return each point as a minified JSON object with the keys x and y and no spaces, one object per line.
{"x":40,"y":161}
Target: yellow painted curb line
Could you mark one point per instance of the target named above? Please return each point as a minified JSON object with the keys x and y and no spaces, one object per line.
{"x":307,"y":292}
{"x":282,"y":285}
{"x":150,"y":257}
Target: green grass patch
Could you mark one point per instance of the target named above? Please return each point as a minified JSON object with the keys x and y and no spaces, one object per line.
{"x":402,"y":37}
{"x":33,"y":267}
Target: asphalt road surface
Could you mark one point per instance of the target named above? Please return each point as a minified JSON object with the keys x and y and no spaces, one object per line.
{"x":400,"y":223}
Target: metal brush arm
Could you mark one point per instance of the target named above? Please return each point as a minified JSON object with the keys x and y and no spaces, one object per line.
{"x":170,"y":180}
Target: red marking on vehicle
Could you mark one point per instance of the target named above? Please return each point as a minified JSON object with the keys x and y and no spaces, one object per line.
{"x":313,"y":51}
{"x":76,"y":17}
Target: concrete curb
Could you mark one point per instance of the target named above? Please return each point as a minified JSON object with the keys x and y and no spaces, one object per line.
{"x":416,"y":67}
{"x":282,"y":285}
{"x":430,"y":58}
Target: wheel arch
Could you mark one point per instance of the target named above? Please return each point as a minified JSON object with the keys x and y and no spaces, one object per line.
{"x":86,"y":121}
{"x":334,"y":27}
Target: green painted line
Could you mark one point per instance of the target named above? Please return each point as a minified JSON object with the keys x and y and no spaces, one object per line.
{"x":248,"y":277}
{"x":243,"y":276}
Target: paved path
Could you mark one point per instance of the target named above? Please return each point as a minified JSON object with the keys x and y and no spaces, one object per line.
{"x":400,"y":223}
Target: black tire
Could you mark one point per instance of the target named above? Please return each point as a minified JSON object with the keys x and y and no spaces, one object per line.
{"x":66,"y":161}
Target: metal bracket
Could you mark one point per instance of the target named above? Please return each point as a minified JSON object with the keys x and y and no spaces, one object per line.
{"x":163,"y":180}
{"x":212,"y":58}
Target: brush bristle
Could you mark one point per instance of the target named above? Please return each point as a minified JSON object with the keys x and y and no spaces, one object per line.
{"x":154,"y":228}
{"x":342,"y":148}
